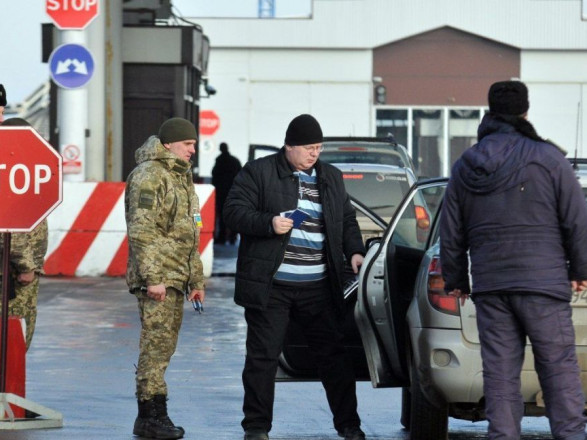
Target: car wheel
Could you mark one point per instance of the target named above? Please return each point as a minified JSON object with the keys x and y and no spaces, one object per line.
{"x":429,"y":421}
{"x":406,"y":408}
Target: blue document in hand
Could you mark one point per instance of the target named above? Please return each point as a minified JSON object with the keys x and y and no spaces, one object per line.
{"x":298,"y":216}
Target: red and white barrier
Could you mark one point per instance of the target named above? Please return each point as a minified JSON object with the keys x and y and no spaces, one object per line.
{"x":87,"y":232}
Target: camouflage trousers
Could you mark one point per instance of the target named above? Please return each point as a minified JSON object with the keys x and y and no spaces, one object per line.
{"x":160,"y":324}
{"x":25,"y":306}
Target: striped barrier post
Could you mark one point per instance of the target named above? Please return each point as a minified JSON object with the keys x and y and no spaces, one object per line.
{"x":87,"y":232}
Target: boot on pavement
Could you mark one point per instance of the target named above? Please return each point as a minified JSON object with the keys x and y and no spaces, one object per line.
{"x":161,"y":402}
{"x":150,"y":425}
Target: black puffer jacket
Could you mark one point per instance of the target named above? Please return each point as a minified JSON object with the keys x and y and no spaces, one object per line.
{"x":263,"y":189}
{"x":514,"y":201}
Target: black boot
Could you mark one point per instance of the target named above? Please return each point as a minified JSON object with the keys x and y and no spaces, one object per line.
{"x":149,"y":423}
{"x":161,"y":402}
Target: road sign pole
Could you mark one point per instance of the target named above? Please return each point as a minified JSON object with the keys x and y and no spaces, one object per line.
{"x":72,"y":113}
{"x":4,"y":338}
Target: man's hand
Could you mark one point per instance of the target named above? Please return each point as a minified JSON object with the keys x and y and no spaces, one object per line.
{"x":356,"y":262}
{"x":26,"y":277}
{"x":579,"y":285}
{"x":459,"y":294}
{"x":197,"y":294}
{"x":157,"y":292}
{"x":281,"y":225}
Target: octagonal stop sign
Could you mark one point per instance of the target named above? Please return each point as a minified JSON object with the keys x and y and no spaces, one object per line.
{"x":72,"y":14}
{"x":30,"y":179}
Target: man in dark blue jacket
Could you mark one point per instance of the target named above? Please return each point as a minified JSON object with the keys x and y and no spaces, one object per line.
{"x":288,"y":269}
{"x":514,"y":207}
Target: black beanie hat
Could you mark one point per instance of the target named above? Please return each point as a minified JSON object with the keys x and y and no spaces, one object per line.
{"x":508,"y":98}
{"x":2,"y":96}
{"x":177,"y":129}
{"x":303,"y":130}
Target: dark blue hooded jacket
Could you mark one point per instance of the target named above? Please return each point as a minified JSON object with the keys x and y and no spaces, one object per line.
{"x":514,"y":203}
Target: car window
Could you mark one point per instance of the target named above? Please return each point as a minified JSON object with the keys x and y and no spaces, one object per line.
{"x":415,"y":223}
{"x":380,"y":192}
{"x":354,"y":157}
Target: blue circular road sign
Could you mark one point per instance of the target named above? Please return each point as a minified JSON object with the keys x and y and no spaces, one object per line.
{"x":71,"y":66}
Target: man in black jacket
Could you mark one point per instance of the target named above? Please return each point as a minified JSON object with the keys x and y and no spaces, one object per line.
{"x":294,"y":269}
{"x":225,"y":170}
{"x":514,"y":204}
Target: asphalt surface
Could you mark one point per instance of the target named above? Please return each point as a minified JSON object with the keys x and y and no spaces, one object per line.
{"x":81,"y":363}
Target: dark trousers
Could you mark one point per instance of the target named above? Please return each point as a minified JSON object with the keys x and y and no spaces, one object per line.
{"x":504,"y":320}
{"x":312,"y":309}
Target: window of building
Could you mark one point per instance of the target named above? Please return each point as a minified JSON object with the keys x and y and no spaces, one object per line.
{"x":434,"y":136}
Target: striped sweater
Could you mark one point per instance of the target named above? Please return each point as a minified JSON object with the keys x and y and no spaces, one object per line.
{"x":305,"y":258}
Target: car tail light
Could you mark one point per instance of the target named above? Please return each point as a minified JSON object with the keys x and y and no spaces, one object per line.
{"x":422,"y":223}
{"x":436,"y":295}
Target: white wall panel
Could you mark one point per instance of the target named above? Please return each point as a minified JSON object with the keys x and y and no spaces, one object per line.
{"x":553,"y":112}
{"x":527,"y":24}
{"x":554,"y":66}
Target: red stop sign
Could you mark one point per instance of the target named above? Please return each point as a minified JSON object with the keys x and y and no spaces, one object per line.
{"x":72,"y":14}
{"x":30,"y":179}
{"x":209,"y":122}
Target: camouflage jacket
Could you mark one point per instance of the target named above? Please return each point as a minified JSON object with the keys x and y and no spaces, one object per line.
{"x":160,"y":207}
{"x":27,"y":249}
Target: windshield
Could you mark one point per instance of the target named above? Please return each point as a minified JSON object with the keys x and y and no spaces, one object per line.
{"x":380,"y":192}
{"x":365,"y":152}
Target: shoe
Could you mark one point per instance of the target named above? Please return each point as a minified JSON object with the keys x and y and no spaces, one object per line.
{"x":161,"y":402}
{"x":151,"y":423}
{"x":256,"y":435}
{"x":352,"y":433}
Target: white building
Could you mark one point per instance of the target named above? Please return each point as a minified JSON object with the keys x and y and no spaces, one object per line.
{"x":431,"y":62}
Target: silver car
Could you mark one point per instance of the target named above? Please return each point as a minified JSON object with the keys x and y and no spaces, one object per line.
{"x":414,"y":336}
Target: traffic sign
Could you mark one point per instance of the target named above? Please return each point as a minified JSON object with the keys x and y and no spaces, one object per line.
{"x":72,"y":14}
{"x":71,"y":66}
{"x":30,"y":179}
{"x":209,"y":122}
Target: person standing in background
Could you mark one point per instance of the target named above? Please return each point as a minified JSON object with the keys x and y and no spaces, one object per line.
{"x":3,"y":102}
{"x":225,"y":170}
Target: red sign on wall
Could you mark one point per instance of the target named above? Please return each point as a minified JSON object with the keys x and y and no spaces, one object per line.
{"x":209,"y":122}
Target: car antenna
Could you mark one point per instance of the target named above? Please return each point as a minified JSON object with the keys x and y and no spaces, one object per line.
{"x":575,"y":165}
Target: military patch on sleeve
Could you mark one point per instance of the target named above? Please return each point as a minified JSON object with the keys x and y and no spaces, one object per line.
{"x":146,"y":199}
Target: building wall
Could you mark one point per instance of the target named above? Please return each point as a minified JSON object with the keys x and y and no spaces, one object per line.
{"x":439,"y":54}
{"x":443,"y":67}
{"x":261,"y":90}
{"x":557,"y":83}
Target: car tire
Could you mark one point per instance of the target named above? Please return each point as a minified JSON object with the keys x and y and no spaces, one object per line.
{"x":405,"y":418}
{"x":430,"y":421}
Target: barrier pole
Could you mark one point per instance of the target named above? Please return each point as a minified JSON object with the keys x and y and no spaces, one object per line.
{"x":4,"y":339}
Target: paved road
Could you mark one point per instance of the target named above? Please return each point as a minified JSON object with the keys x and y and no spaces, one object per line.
{"x":81,"y":363}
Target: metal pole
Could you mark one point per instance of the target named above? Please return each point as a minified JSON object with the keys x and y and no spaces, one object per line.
{"x":72,"y":114}
{"x":4,"y":339}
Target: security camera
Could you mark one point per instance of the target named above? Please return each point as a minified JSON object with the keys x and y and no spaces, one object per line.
{"x":209,"y":89}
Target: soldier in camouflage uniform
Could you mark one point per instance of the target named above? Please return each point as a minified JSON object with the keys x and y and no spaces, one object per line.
{"x":163,"y":220}
{"x":27,"y":256}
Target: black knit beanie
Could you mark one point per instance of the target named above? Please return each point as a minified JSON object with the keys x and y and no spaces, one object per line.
{"x":2,"y":96}
{"x":508,"y":98}
{"x":177,"y":129}
{"x":303,"y":130}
